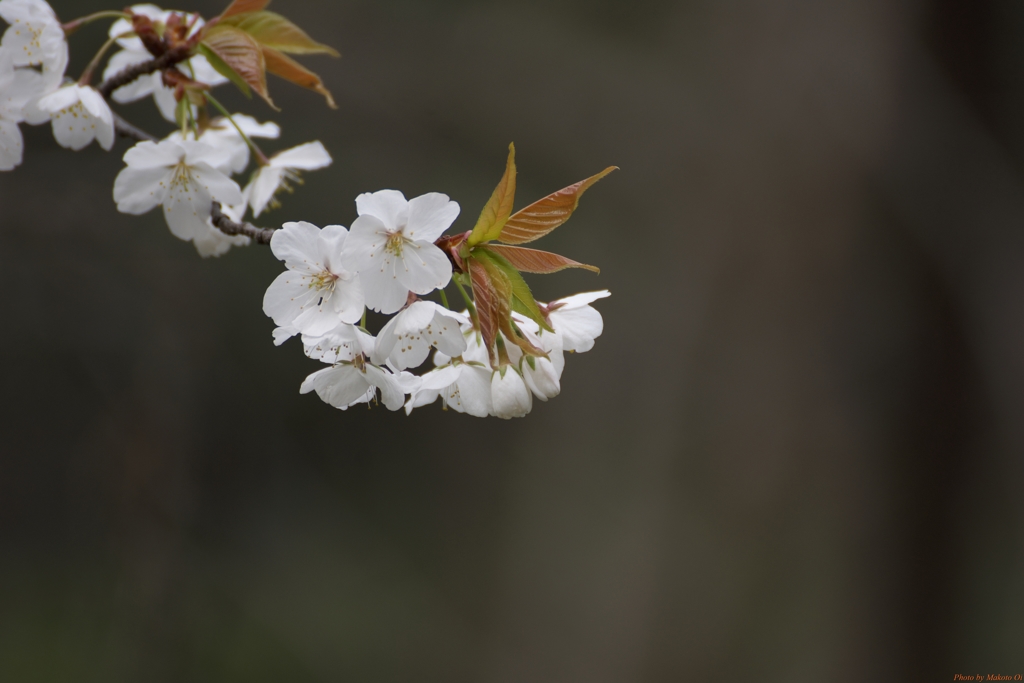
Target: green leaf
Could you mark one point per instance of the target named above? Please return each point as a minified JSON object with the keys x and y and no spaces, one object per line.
{"x":522,"y":300}
{"x":221,"y":67}
{"x":499,"y":207}
{"x":274,"y":31}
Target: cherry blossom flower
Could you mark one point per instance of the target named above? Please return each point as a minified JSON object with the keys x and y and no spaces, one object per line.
{"x":134,"y":52}
{"x":316,"y":292}
{"x":180,"y":175}
{"x":343,"y":342}
{"x":510,"y":397}
{"x":463,"y":387}
{"x":578,"y":323}
{"x":542,"y":375}
{"x":79,"y":115}
{"x":35,"y":36}
{"x":36,"y":46}
{"x":407,"y":338}
{"x":392,"y":246}
{"x":222,"y":134}
{"x":283,"y":169}
{"x":356,"y":380}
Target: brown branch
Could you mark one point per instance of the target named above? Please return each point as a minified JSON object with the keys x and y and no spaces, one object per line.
{"x":127,"y":130}
{"x":230,"y":227}
{"x":164,"y":61}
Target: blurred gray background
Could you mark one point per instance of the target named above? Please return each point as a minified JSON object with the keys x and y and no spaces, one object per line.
{"x":796,"y":454}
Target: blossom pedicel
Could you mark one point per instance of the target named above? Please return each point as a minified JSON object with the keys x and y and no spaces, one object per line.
{"x":493,"y":356}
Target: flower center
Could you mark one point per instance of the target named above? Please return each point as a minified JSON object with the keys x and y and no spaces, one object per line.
{"x":325,"y":279}
{"x":395,"y":243}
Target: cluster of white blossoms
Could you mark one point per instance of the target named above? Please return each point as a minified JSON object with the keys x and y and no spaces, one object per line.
{"x":385,"y":263}
{"x":492,"y":356}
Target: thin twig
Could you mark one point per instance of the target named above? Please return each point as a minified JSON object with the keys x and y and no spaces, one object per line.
{"x":167,"y":59}
{"x":125,"y":129}
{"x":230,"y":227}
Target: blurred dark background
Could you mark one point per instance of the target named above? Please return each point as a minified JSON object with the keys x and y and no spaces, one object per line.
{"x":796,"y":454}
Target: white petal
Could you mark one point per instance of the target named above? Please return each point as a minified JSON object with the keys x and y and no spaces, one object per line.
{"x":137,"y":89}
{"x":582,"y":299}
{"x":429,"y":216}
{"x":298,"y":245}
{"x":392,"y":393}
{"x":330,"y":244}
{"x":578,"y":327}
{"x":383,"y":291}
{"x":217,"y":185}
{"x":166,"y":154}
{"x":365,"y":244}
{"x":165,"y":101}
{"x":472,"y":393}
{"x":340,"y":386}
{"x":307,"y":157}
{"x":11,"y":145}
{"x":216,"y":243}
{"x":137,"y":190}
{"x":186,"y":207}
{"x":287,"y":297}
{"x":542,"y":378}
{"x":389,"y":206}
{"x":263,"y":187}
{"x":348,"y":299}
{"x":509,"y":394}
{"x":424,"y":268}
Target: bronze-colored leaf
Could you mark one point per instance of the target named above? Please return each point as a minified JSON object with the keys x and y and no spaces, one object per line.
{"x":274,"y":31}
{"x":537,"y":261}
{"x":290,"y":70}
{"x":243,"y":6}
{"x":238,"y":50}
{"x":499,"y":207}
{"x":487,"y":302}
{"x":224,"y":70}
{"x":543,"y":216}
{"x":520,"y":296}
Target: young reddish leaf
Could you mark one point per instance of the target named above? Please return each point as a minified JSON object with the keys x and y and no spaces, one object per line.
{"x":487,"y":302}
{"x":543,"y":216}
{"x":274,"y":31}
{"x":520,"y":296}
{"x":290,"y":70}
{"x":499,"y":206}
{"x":224,"y":70}
{"x":243,"y":6}
{"x":238,"y":50}
{"x":537,"y":261}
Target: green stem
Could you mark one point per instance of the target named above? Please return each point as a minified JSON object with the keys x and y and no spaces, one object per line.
{"x":465,"y":297}
{"x":362,"y":323}
{"x":444,"y":299}
{"x":87,"y":74}
{"x":76,"y":24}
{"x":260,"y":156}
